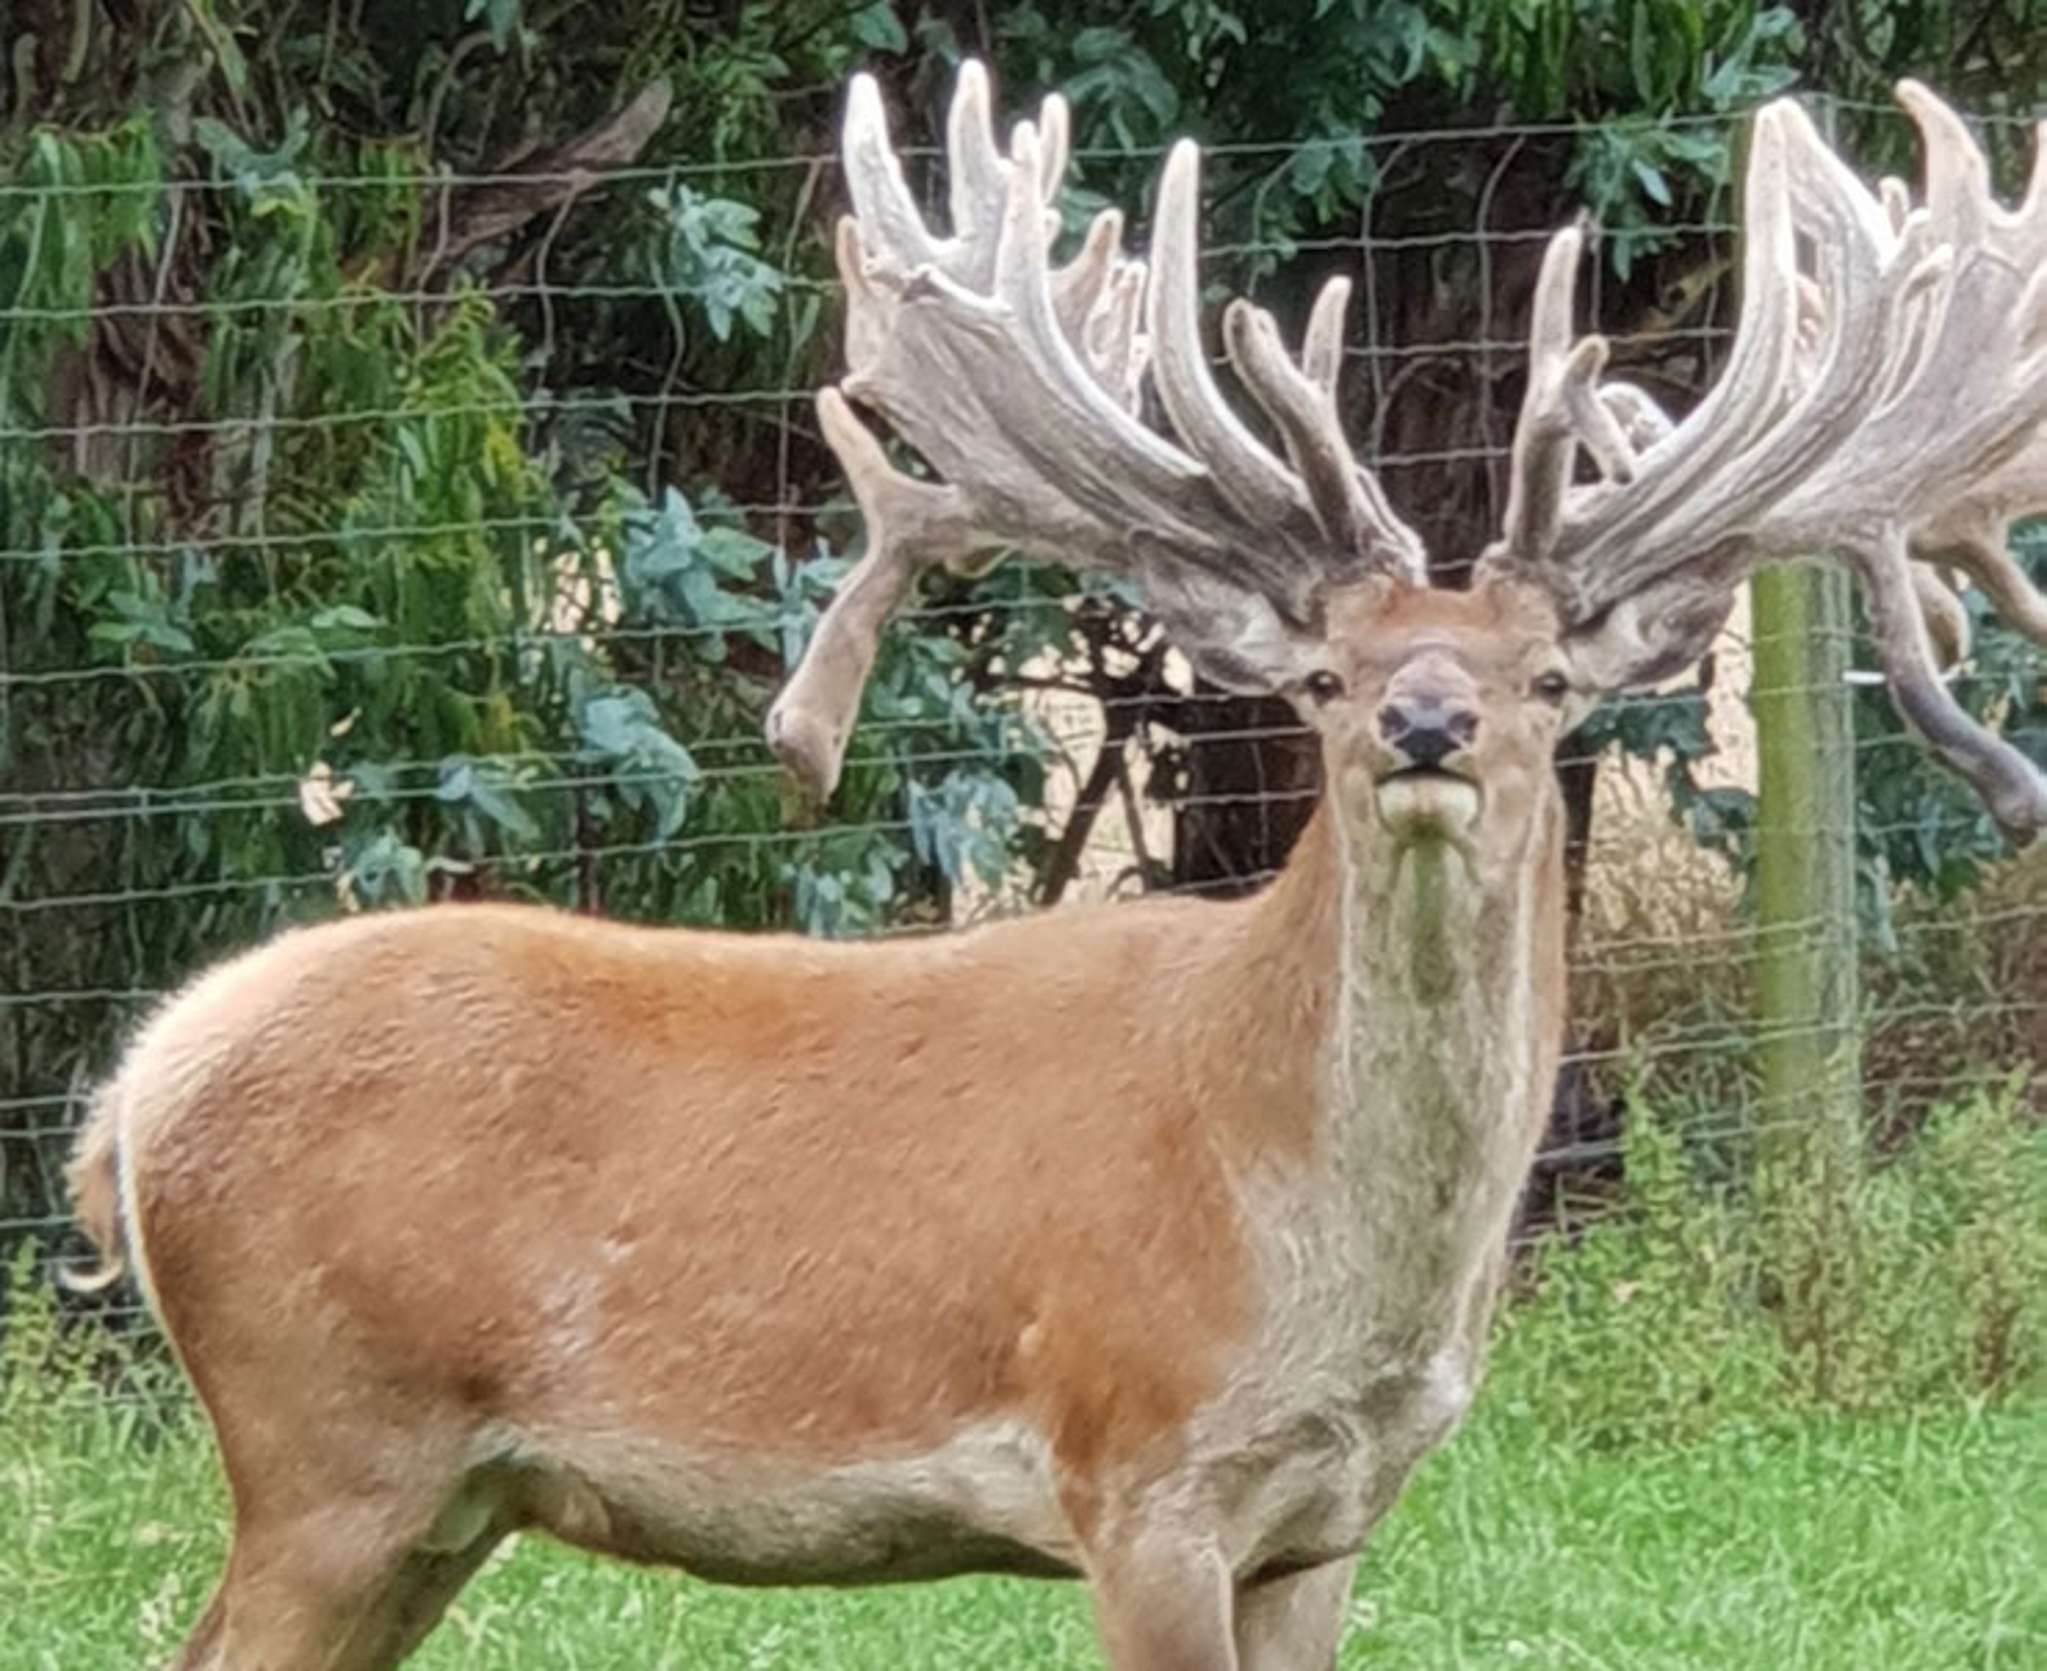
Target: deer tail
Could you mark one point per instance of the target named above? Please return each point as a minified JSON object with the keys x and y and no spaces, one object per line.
{"x":94,"y":1176}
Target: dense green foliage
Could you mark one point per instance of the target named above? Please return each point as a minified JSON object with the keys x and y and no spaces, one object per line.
{"x":1705,"y":1294}
{"x":406,"y":488}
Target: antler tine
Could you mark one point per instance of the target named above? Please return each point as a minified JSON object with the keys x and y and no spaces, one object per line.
{"x":977,"y":173}
{"x":1563,"y":408}
{"x":1397,"y":545}
{"x":910,"y":524}
{"x":1322,"y":341}
{"x":1326,"y":500}
{"x":1896,"y":197}
{"x":1055,"y":132}
{"x":1958,"y":202}
{"x":2032,"y":209}
{"x":1255,"y":482}
{"x":1079,"y":287}
{"x":1301,"y":404}
{"x":1118,"y":348}
{"x":1643,"y":422}
{"x":1947,"y":620}
{"x":892,"y":224}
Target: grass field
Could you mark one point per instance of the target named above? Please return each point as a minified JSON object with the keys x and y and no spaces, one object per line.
{"x":1827,"y":1545}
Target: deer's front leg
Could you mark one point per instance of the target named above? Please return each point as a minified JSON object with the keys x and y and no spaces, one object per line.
{"x":1163,"y":1602}
{"x":1295,"y":1623}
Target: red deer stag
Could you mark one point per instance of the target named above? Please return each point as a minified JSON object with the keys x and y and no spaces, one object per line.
{"x":1150,"y":1244}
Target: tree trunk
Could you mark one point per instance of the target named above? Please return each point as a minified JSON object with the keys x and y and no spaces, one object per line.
{"x":1248,"y":782}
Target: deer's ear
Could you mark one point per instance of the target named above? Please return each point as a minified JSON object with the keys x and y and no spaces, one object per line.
{"x":1221,"y":665}
{"x":1235,"y":639}
{"x":1645,"y":639}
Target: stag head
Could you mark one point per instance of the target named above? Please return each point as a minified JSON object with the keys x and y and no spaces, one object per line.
{"x":1882,"y":406}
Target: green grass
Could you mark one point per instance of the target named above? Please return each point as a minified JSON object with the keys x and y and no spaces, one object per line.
{"x":1830,"y":1543}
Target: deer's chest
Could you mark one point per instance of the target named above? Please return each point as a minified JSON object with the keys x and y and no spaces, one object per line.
{"x":1318,"y":1461}
{"x":1348,"y":1385}
{"x":1337,"y":1468}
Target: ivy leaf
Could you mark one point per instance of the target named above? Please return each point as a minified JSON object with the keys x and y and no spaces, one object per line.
{"x":877,"y":28}
{"x":734,"y":552}
{"x":704,"y":253}
{"x":289,"y":644}
{"x":622,"y":727}
{"x":486,"y":786}
{"x":269,"y":180}
{"x":385,"y":869}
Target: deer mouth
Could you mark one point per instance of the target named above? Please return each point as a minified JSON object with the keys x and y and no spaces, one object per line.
{"x":1423,"y":774}
{"x":1418,"y":798}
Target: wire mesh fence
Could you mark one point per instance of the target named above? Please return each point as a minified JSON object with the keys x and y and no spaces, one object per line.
{"x":329,"y":581}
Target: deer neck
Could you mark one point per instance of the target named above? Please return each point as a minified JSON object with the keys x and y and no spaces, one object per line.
{"x":1436,"y":1024}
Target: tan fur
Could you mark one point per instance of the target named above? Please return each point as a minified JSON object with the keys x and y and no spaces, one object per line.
{"x":786,"y":1260}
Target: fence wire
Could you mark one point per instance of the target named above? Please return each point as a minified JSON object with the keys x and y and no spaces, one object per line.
{"x":197,"y":637}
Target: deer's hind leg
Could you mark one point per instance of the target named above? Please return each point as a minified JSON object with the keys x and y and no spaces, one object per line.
{"x":265,"y":1619}
{"x":350,"y":1540}
{"x":329,"y":1594}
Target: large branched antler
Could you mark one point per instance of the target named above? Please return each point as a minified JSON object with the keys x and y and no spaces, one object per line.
{"x":1018,"y":383}
{"x":1882,"y":403}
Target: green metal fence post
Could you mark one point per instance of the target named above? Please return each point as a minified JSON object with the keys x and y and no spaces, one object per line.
{"x":1806,"y":989}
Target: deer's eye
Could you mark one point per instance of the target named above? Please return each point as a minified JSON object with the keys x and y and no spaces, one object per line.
{"x":1552,"y":687}
{"x":1323,"y":686}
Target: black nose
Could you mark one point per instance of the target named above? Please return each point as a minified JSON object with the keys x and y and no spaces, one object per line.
{"x":1428,"y":732}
